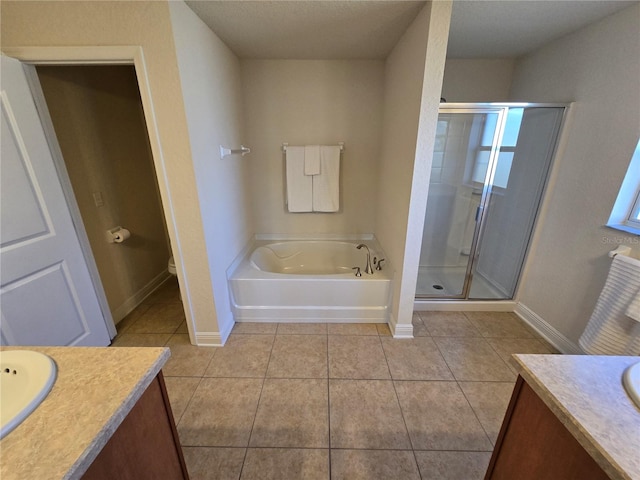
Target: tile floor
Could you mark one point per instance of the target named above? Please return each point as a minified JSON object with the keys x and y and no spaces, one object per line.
{"x":337,"y":401}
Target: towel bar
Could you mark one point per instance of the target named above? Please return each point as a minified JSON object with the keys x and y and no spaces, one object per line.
{"x":224,"y":151}
{"x":340,"y":144}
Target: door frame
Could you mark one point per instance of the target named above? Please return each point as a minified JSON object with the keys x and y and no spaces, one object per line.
{"x":104,"y":55}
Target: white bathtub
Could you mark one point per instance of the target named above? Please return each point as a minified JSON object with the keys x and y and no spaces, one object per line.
{"x":310,"y":281}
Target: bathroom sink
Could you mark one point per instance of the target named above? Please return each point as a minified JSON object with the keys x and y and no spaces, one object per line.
{"x":26,"y":377}
{"x":631,"y":381}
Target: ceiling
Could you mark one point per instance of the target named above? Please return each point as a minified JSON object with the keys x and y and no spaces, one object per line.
{"x":364,"y":29}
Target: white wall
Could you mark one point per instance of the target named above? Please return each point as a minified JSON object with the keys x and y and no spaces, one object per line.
{"x":477,"y":79}
{"x":303,"y":102}
{"x":147,"y":24}
{"x":211,"y":88}
{"x":413,"y":80}
{"x":597,"y":67}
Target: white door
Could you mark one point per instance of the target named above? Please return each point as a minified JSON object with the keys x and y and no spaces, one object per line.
{"x":46,"y":293}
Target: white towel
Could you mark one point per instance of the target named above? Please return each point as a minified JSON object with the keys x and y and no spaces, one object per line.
{"x":326,"y":185}
{"x":610,"y":331}
{"x":633,"y":310}
{"x":299,"y":185}
{"x":312,"y":160}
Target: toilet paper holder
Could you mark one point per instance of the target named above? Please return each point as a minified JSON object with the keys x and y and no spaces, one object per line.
{"x":117,"y":234}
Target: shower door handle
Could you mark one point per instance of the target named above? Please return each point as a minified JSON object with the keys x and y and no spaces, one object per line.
{"x":479,"y":211}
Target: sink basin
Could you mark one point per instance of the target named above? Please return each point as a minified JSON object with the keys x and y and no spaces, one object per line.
{"x":631,"y":381}
{"x":26,"y":377}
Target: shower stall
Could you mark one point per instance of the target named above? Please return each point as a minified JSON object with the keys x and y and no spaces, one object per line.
{"x":490,"y":167}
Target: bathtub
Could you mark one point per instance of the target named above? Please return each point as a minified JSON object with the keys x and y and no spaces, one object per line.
{"x":309,"y":281}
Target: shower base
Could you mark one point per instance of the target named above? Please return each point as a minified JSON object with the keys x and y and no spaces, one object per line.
{"x":451,"y":280}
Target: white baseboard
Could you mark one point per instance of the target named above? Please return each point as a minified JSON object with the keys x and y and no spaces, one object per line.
{"x":549,"y":333}
{"x":400,"y":330}
{"x":137,"y":298}
{"x":209,"y":339}
{"x":214,"y":339}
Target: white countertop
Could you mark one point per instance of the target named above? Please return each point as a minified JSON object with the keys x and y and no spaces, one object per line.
{"x":94,"y":391}
{"x":586,"y":393}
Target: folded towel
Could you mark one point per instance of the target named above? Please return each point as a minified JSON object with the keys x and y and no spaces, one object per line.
{"x":299,"y":185}
{"x":633,"y":310}
{"x":326,"y":185}
{"x":312,"y":160}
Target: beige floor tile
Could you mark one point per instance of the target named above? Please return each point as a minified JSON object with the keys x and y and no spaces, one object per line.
{"x":141,"y":340}
{"x":188,"y":360}
{"x":366,"y":414}
{"x":182,"y":328}
{"x":415,"y":359}
{"x":357,"y":357}
{"x":448,"y":324}
{"x":254,"y":327}
{"x":168,"y":292}
{"x":302,"y":329}
{"x":130,"y":319}
{"x":286,"y":464}
{"x":505,"y":347}
{"x":159,"y":318}
{"x":490,"y":401}
{"x":178,"y":339}
{"x":439,"y":417}
{"x":180,"y":390}
{"x":473,"y":359}
{"x":292,"y":413}
{"x":242,"y":356}
{"x":373,"y":465}
{"x":499,"y":324}
{"x":419,"y":329}
{"x":210,"y":463}
{"x":453,"y":465}
{"x":221,"y":413}
{"x":352,"y":329}
{"x":383,"y":330}
{"x":298,"y":356}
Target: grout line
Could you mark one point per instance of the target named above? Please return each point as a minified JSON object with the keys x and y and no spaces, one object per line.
{"x":329,"y":404}
{"x":255,"y":415}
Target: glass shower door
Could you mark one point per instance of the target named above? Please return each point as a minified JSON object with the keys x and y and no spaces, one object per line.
{"x":521,"y":169}
{"x":464,"y":154}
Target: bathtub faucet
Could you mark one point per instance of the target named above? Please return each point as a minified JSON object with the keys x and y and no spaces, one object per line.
{"x":367,"y":269}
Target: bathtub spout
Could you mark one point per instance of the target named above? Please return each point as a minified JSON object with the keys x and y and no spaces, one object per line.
{"x":367,"y":269}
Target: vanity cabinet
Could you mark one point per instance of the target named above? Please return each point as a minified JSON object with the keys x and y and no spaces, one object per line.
{"x":534,"y":445}
{"x":145,"y":445}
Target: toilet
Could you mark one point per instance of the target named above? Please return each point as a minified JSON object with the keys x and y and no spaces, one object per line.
{"x":172,"y":266}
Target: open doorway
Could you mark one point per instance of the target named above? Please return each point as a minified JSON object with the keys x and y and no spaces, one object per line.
{"x":98,"y":118}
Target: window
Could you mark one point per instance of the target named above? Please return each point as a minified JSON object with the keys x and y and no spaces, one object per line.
{"x":506,"y":149}
{"x":625,"y":215}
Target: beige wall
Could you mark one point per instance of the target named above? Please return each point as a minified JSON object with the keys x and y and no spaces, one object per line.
{"x":413,"y":81}
{"x":98,"y":118}
{"x":597,"y":67}
{"x":148,"y":25}
{"x":211,"y":88}
{"x":477,"y":79}
{"x":304,"y":102}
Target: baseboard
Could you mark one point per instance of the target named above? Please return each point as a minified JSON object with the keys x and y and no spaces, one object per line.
{"x":209,"y":339}
{"x":464,"y":306}
{"x":137,"y":298}
{"x":549,"y":333}
{"x":400,"y":330}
